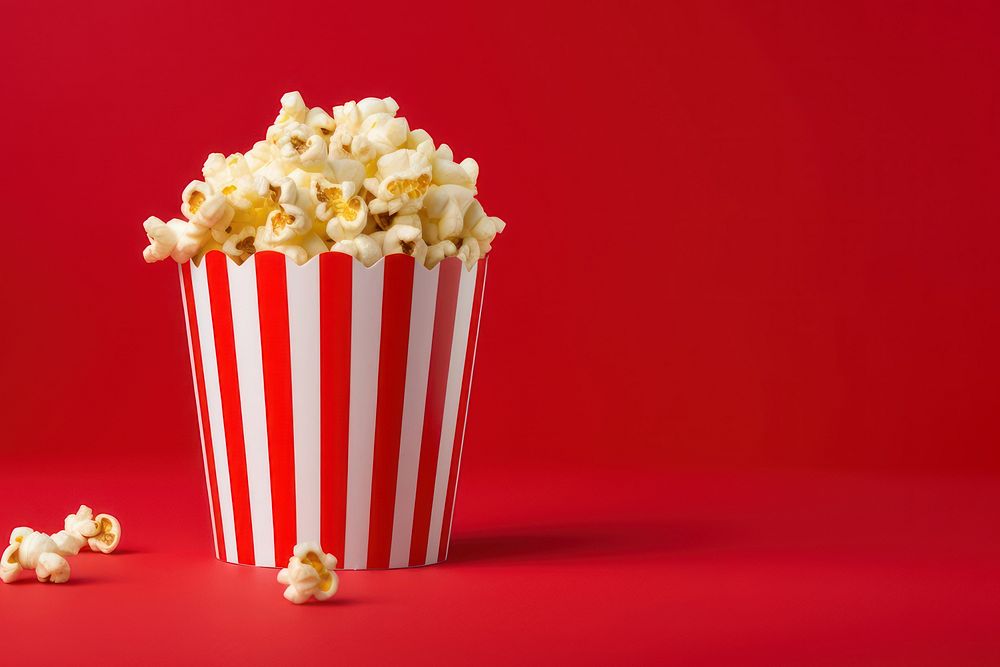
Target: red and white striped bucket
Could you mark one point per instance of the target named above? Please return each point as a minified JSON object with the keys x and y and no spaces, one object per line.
{"x":332,"y":402}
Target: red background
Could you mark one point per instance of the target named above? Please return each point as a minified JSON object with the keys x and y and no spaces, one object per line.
{"x":738,"y":368}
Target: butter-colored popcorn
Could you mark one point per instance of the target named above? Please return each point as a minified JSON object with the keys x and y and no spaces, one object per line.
{"x":31,"y":550}
{"x":109,"y":534}
{"x":438,"y":197}
{"x":405,"y":239}
{"x":261,"y":155}
{"x":190,"y":239}
{"x":418,"y":137}
{"x":352,"y":114}
{"x":346,"y":169}
{"x":293,"y":109}
{"x":10,"y":566}
{"x":299,"y":145}
{"x":284,"y":223}
{"x":362,"y":247}
{"x":77,"y":529}
{"x":178,"y":239}
{"x":330,"y":198}
{"x":309,"y":574}
{"x":345,"y":179}
{"x":486,"y":228}
{"x":162,"y":240}
{"x":100,"y":533}
{"x":195,"y":194}
{"x":322,"y":122}
{"x":469,"y":252}
{"x":344,"y":213}
{"x":438,"y":252}
{"x":240,"y":246}
{"x":300,"y":248}
{"x":447,"y":172}
{"x":471,"y":168}
{"x":401,"y":182}
{"x":384,"y":132}
{"x":452,"y":220}
{"x":220,"y":171}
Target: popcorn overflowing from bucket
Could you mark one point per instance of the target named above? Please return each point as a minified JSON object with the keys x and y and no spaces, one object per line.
{"x":359,"y":182}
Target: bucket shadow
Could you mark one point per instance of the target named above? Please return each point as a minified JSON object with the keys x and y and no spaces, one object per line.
{"x":586,"y":541}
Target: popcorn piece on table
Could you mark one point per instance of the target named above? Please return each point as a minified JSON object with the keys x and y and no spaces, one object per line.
{"x":309,"y":574}
{"x":100,"y":533}
{"x":31,"y":550}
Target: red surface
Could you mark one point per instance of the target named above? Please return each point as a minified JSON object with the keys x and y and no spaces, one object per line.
{"x":757,"y":240}
{"x":748,"y":568}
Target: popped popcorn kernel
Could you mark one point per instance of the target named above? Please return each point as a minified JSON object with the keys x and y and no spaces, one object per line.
{"x":309,"y":574}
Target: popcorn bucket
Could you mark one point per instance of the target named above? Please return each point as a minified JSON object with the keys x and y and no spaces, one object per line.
{"x":332,"y":401}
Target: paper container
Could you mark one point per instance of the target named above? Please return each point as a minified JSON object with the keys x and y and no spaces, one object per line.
{"x":332,"y":402}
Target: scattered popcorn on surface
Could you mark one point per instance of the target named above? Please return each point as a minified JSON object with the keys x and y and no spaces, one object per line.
{"x":309,"y":574}
{"x":357,"y":180}
{"x":31,"y":550}
{"x":100,"y":533}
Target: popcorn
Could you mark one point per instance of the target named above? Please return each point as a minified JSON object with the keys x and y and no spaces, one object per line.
{"x":400,"y":183}
{"x":101,"y":533}
{"x":240,"y":246}
{"x":344,"y":213}
{"x":286,"y":222}
{"x":178,"y":239}
{"x":309,"y":574}
{"x":195,"y":194}
{"x":356,"y":180}
{"x":77,"y":528}
{"x":109,"y":534}
{"x":162,"y":240}
{"x":362,"y":247}
{"x":469,"y":252}
{"x":293,"y":109}
{"x":402,"y":238}
{"x":319,"y":120}
{"x":438,"y":252}
{"x":31,"y":550}
{"x":299,"y":145}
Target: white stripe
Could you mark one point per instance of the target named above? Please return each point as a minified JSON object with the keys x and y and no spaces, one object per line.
{"x":303,"y":329}
{"x":250,"y":369}
{"x":197,"y":407}
{"x":366,"y":326}
{"x":468,"y":399}
{"x":418,"y":359}
{"x":456,"y":367}
{"x":213,"y":396}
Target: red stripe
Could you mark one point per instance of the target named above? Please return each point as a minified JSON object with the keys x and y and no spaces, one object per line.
{"x":335,"y":396}
{"x":397,"y":297}
{"x":456,"y":452}
{"x":199,"y":372}
{"x":449,"y":273}
{"x":272,"y":304}
{"x":232,"y":413}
